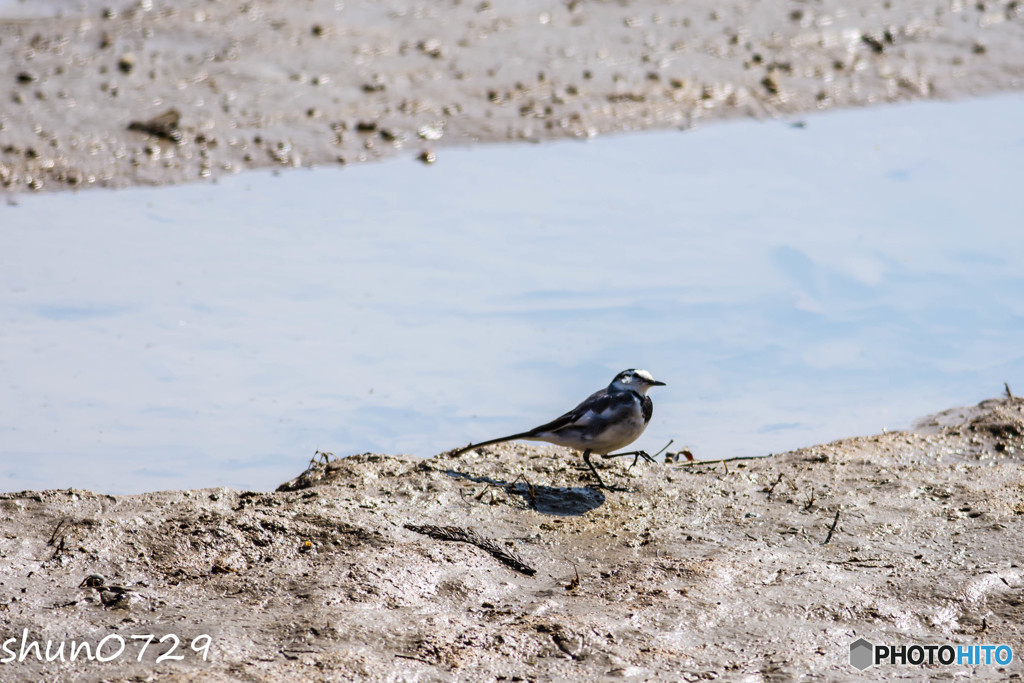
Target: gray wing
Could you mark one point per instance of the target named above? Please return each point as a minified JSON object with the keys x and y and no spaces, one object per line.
{"x":599,"y":406}
{"x":580,"y":416}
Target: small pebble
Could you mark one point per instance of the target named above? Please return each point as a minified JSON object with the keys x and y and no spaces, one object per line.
{"x":127,"y":63}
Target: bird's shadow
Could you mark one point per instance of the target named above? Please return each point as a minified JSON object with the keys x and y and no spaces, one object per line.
{"x":548,"y":500}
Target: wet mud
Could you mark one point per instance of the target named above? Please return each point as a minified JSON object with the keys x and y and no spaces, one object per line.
{"x":505,"y":564}
{"x":128,"y":92}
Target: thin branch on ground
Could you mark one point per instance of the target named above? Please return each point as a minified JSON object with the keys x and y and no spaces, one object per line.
{"x":690,"y":463}
{"x":458,"y":534}
{"x":831,"y":531}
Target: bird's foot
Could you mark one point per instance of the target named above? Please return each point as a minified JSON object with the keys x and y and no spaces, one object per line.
{"x":605,"y":487}
{"x":636,"y":456}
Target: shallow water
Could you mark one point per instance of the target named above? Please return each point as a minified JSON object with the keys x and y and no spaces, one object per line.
{"x":792,"y":285}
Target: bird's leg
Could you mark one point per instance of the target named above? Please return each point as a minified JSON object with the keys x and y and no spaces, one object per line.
{"x":639,"y":454}
{"x":636,"y":456}
{"x":586,"y":459}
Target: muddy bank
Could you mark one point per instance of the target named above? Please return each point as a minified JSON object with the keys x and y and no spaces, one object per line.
{"x":130,"y":92}
{"x":383,"y":568}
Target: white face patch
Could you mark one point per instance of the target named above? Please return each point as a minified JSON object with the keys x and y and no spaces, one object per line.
{"x":645,"y":376}
{"x":634,"y":380}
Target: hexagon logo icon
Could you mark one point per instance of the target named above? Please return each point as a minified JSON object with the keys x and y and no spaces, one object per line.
{"x":862,"y":654}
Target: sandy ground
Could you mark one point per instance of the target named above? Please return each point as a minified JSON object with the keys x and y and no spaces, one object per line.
{"x":752,"y":570}
{"x":124,"y":92}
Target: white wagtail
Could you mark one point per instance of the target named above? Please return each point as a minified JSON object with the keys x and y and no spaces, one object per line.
{"x":607,"y":420}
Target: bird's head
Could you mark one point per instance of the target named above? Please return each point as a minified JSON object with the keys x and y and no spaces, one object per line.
{"x":634,"y":380}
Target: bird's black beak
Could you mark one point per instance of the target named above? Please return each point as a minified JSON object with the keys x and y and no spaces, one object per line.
{"x":657,"y":384}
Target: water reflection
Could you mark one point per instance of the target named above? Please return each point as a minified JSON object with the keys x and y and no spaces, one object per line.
{"x":792,"y":285}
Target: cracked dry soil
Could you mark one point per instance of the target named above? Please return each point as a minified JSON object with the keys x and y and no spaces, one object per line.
{"x":690,"y":572}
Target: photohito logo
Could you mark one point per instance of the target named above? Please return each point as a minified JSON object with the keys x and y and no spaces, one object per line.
{"x":864,"y":654}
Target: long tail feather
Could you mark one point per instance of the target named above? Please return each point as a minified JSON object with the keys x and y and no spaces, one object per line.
{"x":503,"y":439}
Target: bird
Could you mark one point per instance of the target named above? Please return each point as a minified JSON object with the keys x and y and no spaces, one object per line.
{"x":607,"y":420}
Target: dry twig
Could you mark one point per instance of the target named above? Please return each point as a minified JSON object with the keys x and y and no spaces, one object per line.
{"x":575,"y":581}
{"x":831,"y":531}
{"x":715,"y":462}
{"x":456,"y":533}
